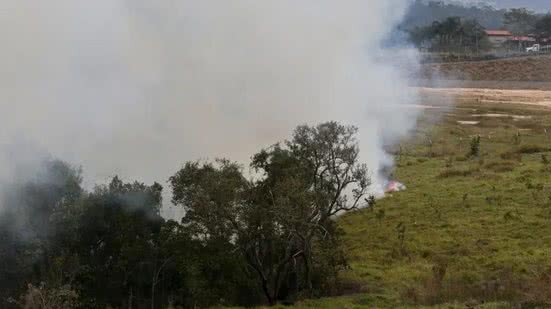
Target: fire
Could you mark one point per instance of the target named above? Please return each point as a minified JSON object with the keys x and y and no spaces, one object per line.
{"x":394,"y":186}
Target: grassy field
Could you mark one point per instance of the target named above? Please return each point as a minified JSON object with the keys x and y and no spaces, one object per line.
{"x":471,"y":230}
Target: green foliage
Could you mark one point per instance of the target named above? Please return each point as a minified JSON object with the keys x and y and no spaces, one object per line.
{"x":494,"y":251}
{"x":42,"y":297}
{"x":517,"y":138}
{"x":453,"y":34}
{"x":474,"y":150}
{"x":241,"y":242}
{"x":281,"y":224}
{"x":543,"y":26}
{"x":458,"y":172}
{"x":424,"y":12}
{"x":81,"y":249}
{"x":520,"y":21}
{"x":449,"y":162}
{"x":401,"y":234}
{"x":545,"y":160}
{"x":501,"y":166}
{"x":31,"y":225}
{"x":532,"y":149}
{"x":473,"y":233}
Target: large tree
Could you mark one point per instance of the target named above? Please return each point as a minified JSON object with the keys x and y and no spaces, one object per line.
{"x":34,"y":224}
{"x":117,"y":244}
{"x":281,"y":221}
{"x":242,"y":241}
{"x":520,"y":21}
{"x":543,"y":26}
{"x":465,"y":36}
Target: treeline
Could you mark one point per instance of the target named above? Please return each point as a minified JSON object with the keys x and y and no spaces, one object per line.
{"x":468,"y":36}
{"x":423,"y":13}
{"x":452,"y":28}
{"x":525,"y":22}
{"x":451,"y":35}
{"x":242,"y":241}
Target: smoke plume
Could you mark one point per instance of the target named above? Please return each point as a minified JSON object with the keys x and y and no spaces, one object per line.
{"x":137,"y":87}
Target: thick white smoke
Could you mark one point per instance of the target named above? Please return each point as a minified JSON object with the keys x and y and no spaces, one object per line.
{"x":137,"y":87}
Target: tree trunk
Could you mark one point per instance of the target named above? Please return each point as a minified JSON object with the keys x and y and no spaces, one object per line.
{"x":269,"y":297}
{"x":153,"y":283}
{"x":130,"y":297}
{"x":308,"y":273}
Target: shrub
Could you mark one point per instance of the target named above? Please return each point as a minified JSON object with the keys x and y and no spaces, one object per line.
{"x":545,"y":159}
{"x":442,"y":286}
{"x":457,"y":172}
{"x":531,"y":149}
{"x":510,"y":155}
{"x":38,"y":297}
{"x":516,"y":139}
{"x":461,"y":158}
{"x":475,"y":146}
{"x":501,"y":166}
{"x":449,"y":162}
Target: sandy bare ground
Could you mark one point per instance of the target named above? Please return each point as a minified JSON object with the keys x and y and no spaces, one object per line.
{"x":541,"y":98}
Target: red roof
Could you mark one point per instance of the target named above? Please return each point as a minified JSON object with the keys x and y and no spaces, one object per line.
{"x":498,"y":33}
{"x":523,"y":39}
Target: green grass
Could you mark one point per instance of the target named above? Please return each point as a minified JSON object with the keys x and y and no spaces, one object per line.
{"x":478,"y":229}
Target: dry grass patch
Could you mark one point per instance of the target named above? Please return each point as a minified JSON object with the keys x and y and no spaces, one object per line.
{"x":458,"y":172}
{"x":501,"y":166}
{"x":531,"y":149}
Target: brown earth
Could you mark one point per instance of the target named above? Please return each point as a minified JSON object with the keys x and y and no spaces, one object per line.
{"x":523,"y":69}
{"x":539,"y":98}
{"x":525,"y":80}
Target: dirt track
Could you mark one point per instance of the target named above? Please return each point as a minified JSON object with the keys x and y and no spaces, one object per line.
{"x":525,"y":80}
{"x":541,"y":98}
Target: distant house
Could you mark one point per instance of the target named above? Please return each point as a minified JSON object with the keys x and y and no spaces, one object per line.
{"x":521,"y":42}
{"x":523,"y":39}
{"x":498,"y":37}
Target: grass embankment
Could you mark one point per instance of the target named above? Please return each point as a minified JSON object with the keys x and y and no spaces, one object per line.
{"x":528,"y":69}
{"x":470,"y":230}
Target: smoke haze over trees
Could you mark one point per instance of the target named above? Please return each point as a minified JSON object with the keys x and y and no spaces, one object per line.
{"x":135,"y":88}
{"x":451,"y":35}
{"x":129,"y":88}
{"x":241,"y":242}
{"x":459,"y":27}
{"x":490,"y":14}
{"x":423,"y":13}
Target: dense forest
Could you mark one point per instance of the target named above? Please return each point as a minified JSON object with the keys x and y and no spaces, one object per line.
{"x":423,"y":13}
{"x":520,"y":20}
{"x":451,"y":35}
{"x":461,"y":30}
{"x":241,"y":242}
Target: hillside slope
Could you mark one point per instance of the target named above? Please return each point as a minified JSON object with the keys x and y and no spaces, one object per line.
{"x":525,"y":69}
{"x":472,"y":231}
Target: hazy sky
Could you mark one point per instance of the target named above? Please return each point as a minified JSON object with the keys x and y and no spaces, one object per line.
{"x":135,"y":87}
{"x":539,"y":5}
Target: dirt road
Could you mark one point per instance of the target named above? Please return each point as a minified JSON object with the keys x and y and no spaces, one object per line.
{"x":541,"y":98}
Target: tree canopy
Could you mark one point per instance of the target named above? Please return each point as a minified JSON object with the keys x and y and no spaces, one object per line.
{"x":453,"y":34}
{"x":243,"y":240}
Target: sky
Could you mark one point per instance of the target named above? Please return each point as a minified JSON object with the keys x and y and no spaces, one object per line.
{"x":136,"y":88}
{"x":538,"y":5}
